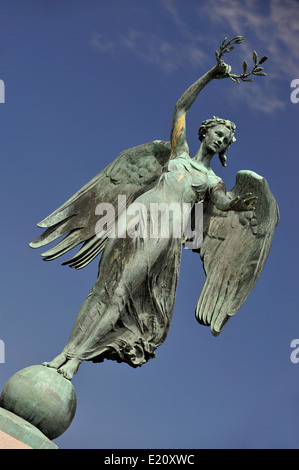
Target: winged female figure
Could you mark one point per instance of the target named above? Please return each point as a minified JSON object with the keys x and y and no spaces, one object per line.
{"x":128,"y":312}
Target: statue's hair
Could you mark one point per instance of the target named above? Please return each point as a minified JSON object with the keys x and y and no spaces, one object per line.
{"x":215,"y":121}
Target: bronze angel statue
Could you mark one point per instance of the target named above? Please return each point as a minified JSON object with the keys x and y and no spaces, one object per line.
{"x":128,"y":312}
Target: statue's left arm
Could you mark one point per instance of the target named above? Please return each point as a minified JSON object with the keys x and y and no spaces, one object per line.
{"x":239,"y":203}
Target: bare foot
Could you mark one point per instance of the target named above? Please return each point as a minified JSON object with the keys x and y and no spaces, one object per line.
{"x":69,"y":369}
{"x":57,"y":362}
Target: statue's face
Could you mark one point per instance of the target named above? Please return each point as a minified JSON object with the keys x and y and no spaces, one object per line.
{"x":217,"y":138}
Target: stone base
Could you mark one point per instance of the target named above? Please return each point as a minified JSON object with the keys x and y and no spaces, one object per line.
{"x":17,"y":433}
{"x":9,"y":442}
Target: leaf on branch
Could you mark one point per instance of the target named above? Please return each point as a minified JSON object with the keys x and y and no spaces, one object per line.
{"x":254,"y":56}
{"x":238,"y":39}
{"x":246,"y":79}
{"x":222,"y":44}
{"x":245,"y":65}
{"x":228,"y":50}
{"x":262,"y":74}
{"x":234,"y":79}
{"x":263,"y":59}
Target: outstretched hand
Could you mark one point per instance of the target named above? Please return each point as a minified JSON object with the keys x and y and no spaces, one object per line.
{"x":243,"y":203}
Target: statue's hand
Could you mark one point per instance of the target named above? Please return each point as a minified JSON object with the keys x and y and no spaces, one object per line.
{"x":238,"y":203}
{"x":221,"y":70}
{"x":243,"y":203}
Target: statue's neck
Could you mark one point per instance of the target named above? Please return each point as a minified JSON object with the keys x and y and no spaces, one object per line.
{"x":203,"y":157}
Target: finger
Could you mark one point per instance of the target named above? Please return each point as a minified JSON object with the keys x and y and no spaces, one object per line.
{"x":250,"y":200}
{"x":250,"y":206}
{"x":249,"y":197}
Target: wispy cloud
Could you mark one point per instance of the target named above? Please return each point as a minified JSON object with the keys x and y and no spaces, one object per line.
{"x":182,"y":26}
{"x":183,"y":49}
{"x":101,"y":44}
{"x":146,"y":47}
{"x":272,"y":24}
{"x":151,"y":49}
{"x":285,"y":29}
{"x":262,"y":98}
{"x":275,"y":27}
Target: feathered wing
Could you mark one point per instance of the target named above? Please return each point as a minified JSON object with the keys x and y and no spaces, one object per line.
{"x":133,"y":172}
{"x":234,"y":251}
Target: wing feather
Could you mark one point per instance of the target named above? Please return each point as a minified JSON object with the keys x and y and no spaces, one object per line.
{"x":234,"y":251}
{"x":133,"y":172}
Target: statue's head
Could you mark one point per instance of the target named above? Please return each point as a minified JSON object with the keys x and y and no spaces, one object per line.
{"x":222,"y":129}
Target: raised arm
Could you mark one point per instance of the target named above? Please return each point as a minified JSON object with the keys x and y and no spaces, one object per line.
{"x":221,"y":70}
{"x":178,"y":127}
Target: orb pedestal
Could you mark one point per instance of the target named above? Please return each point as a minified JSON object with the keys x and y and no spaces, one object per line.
{"x":40,"y":397}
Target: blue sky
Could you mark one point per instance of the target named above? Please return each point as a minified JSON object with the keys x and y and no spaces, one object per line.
{"x":86,"y":80}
